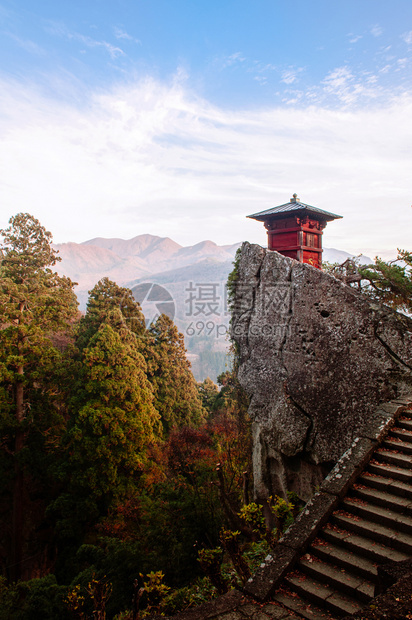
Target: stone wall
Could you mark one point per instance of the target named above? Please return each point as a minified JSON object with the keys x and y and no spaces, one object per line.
{"x":316,"y":358}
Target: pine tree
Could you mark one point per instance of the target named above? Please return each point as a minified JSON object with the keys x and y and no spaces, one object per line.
{"x":176,"y":394}
{"x":391,"y":282}
{"x":36,"y":303}
{"x":113,"y":418}
{"x":209,"y":393}
{"x":104,"y":297}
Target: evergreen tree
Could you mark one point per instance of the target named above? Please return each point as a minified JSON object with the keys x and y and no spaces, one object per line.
{"x":232,"y":398}
{"x":103,"y":298}
{"x":36,"y":303}
{"x":390,"y":282}
{"x":113,"y":417}
{"x":112,"y":422}
{"x":209,"y":392}
{"x":176,"y":394}
{"x":387,"y":282}
{"x":112,"y":402}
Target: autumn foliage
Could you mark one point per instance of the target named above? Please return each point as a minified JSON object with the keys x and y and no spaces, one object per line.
{"x":114,"y":463}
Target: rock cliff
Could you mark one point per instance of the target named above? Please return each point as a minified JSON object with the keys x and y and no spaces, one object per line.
{"x":315,"y":357}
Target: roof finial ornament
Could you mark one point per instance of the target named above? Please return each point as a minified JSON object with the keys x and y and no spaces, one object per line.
{"x":295,"y":198}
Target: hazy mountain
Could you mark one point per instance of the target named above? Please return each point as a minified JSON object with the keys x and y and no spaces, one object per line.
{"x":188,"y":283}
{"x":331,"y":255}
{"x":147,"y":247}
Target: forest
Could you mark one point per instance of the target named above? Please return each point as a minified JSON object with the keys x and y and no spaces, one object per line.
{"x":125,"y":485}
{"x":119,"y":473}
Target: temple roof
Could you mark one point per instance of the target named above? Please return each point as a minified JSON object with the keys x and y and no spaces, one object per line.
{"x":292,"y":206}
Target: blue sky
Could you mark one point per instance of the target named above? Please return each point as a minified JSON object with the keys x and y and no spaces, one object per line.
{"x":178,"y":118}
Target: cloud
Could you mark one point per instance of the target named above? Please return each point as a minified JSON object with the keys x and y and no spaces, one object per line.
{"x":27,"y":44}
{"x":407,"y":37}
{"x":261,"y":79}
{"x":289,"y":76}
{"x":376,"y":30}
{"x":342,"y":84}
{"x":232,"y":59}
{"x":122,"y":34}
{"x":113,"y":50}
{"x":153,"y":157}
{"x":60,"y":30}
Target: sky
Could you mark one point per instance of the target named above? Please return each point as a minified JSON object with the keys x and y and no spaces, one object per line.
{"x":179,"y":118}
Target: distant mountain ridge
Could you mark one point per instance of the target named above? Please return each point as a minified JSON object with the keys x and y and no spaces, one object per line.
{"x":194,"y":278}
{"x":129,"y":260}
{"x":126,"y":260}
{"x":142,"y":245}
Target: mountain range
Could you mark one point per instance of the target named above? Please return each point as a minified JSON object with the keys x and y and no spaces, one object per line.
{"x":187,"y":283}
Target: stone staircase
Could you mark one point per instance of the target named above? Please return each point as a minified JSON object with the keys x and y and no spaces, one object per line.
{"x":337,"y":574}
{"x":325,"y":565}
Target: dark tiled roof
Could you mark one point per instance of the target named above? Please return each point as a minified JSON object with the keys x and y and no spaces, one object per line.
{"x":293,"y":206}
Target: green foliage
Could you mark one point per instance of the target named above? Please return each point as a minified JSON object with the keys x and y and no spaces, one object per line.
{"x":211,"y":557}
{"x":174,"y":515}
{"x":252,"y":515}
{"x":233,"y":279}
{"x":281,"y":511}
{"x":112,"y":422}
{"x":105,"y":297}
{"x":30,"y":600}
{"x":107,"y":453}
{"x":109,"y":561}
{"x":175,"y":389}
{"x":36,"y":304}
{"x":94,"y":595}
{"x":75,"y":602}
{"x":231,"y":541}
{"x":113,"y":383}
{"x":389,"y":282}
{"x":232,"y":398}
{"x":209,"y":392}
{"x":177,"y":600}
{"x":255,"y":552}
{"x":155,"y":589}
{"x":211,"y":561}
{"x":184,"y":598}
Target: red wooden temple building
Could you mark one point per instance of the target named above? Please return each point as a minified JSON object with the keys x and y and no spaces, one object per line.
{"x":295,"y":229}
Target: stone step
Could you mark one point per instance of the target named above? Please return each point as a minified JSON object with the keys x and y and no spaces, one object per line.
{"x":394,"y":443}
{"x":403,"y":505}
{"x":401,"y":433}
{"x":404,"y":422}
{"x":348,"y":560}
{"x":402,"y":489}
{"x":378,"y":514}
{"x":321,"y":594}
{"x":303,"y":608}
{"x":362,"y":545}
{"x":339,"y":579}
{"x":379,"y":533}
{"x":390,"y":471}
{"x":394,"y":458}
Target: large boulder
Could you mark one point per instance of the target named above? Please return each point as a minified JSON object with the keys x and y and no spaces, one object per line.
{"x":316,"y":357}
